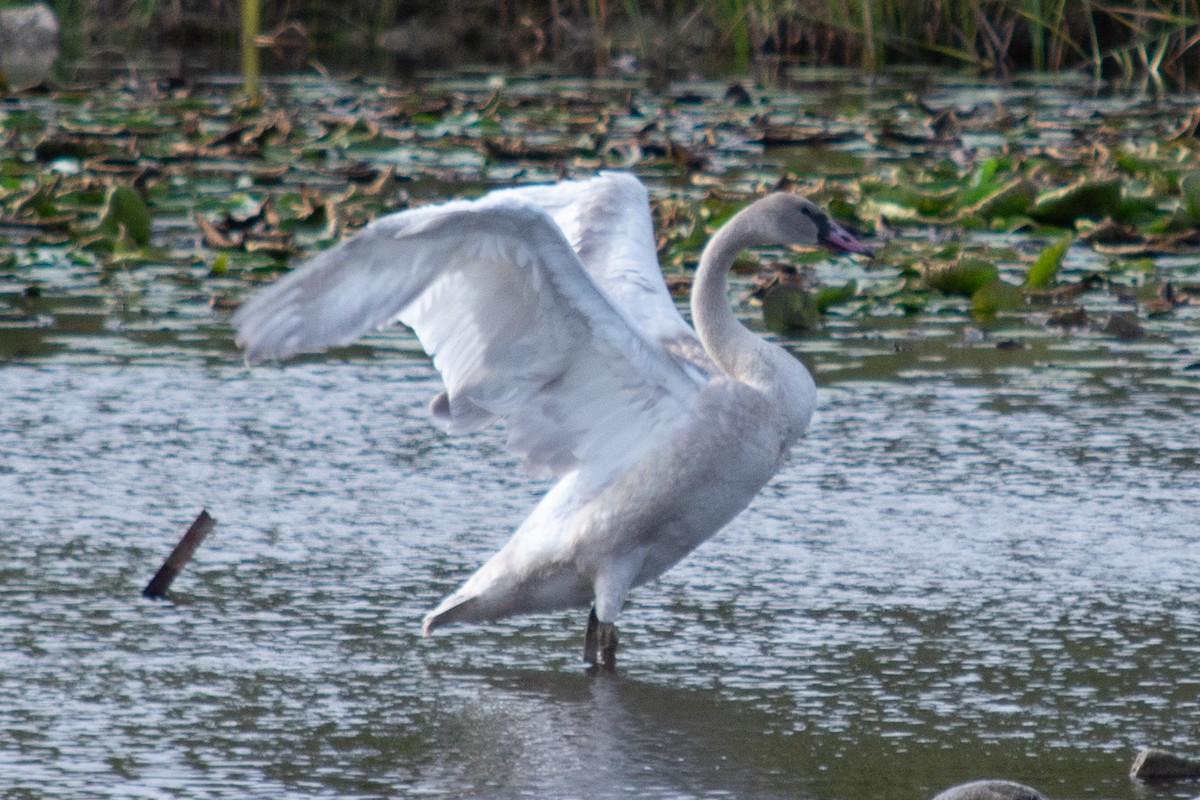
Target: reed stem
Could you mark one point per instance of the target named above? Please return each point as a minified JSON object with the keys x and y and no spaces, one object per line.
{"x":251,"y":66}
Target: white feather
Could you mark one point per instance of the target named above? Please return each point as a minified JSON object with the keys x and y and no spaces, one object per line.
{"x":515,"y":325}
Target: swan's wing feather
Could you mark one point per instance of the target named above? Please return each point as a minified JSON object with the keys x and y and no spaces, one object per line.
{"x":607,"y":220}
{"x":515,"y":325}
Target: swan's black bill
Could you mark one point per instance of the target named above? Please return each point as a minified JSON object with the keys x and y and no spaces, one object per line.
{"x":842,"y":240}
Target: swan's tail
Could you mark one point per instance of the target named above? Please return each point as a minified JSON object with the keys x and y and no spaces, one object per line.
{"x":494,"y":593}
{"x":455,"y":608}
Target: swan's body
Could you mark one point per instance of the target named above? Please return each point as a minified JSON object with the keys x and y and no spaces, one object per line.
{"x":544,"y":307}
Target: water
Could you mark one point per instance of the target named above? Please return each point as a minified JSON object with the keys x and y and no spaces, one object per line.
{"x":953,"y":578}
{"x":981,"y":562}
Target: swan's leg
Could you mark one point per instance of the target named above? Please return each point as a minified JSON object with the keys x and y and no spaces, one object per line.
{"x":589,"y":639}
{"x":608,"y":645}
{"x":600,"y":642}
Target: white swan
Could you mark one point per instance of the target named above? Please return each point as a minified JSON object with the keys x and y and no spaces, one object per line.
{"x":544,"y":307}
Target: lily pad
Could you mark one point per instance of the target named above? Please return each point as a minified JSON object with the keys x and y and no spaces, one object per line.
{"x":790,"y":309}
{"x":1189,"y":185}
{"x":833,"y":295}
{"x":125,"y":209}
{"x":1141,"y":212}
{"x":924,"y":202}
{"x":964,"y":278}
{"x":984,"y":181}
{"x":1007,"y":200}
{"x":1084,"y":198}
{"x":42,"y":201}
{"x":994,"y":297}
{"x":1045,"y":266}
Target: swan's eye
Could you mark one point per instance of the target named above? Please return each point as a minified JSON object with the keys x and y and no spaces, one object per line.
{"x":817,"y":217}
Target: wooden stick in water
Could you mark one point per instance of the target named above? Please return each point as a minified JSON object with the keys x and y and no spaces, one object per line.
{"x":157,"y":587}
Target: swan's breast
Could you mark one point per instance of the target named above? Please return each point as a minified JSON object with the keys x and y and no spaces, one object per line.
{"x":684,"y":491}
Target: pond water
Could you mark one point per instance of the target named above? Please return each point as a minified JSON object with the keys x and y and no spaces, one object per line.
{"x":952,"y":579}
{"x":982,"y":561}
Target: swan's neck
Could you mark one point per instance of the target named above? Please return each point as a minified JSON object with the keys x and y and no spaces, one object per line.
{"x":741,"y":354}
{"x":736,"y":350}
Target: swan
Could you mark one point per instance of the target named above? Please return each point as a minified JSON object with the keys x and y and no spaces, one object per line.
{"x":544,"y":307}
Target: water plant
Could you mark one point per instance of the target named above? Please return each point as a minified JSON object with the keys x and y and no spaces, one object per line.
{"x":1147,"y":40}
{"x":198,"y":187}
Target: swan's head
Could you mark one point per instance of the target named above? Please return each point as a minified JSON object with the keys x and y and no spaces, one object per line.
{"x":791,"y":219}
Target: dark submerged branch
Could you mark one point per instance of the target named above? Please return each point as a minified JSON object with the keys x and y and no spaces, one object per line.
{"x":157,"y":588}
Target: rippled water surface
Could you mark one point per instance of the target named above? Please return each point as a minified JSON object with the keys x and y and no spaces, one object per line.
{"x":982,"y":561}
{"x":954,"y":578}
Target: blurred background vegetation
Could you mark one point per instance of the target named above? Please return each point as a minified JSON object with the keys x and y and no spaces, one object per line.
{"x":1111,"y":39}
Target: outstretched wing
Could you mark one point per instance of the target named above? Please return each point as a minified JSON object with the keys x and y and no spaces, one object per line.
{"x":515,"y":325}
{"x":607,"y":220}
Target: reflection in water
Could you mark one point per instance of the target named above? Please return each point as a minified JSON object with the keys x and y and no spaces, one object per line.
{"x":552,"y":734}
{"x":950,"y":581}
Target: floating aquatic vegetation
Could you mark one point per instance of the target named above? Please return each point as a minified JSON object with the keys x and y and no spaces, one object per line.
{"x":1045,"y":266}
{"x":124,"y":216}
{"x":1089,"y":198}
{"x":968,"y":201}
{"x":994,"y":297}
{"x":1189,"y":186}
{"x":790,"y":309}
{"x":964,"y":277}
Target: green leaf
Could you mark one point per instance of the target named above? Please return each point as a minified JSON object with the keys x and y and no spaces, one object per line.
{"x":42,"y":201}
{"x":1006,"y":200}
{"x":1045,"y":266}
{"x":994,"y":297}
{"x":985,"y":173}
{"x":1085,"y":198}
{"x":125,"y":208}
{"x":790,"y":309}
{"x":1139,"y":211}
{"x":986,"y":180}
{"x":832,"y":295}
{"x":1190,"y":187}
{"x":964,"y":278}
{"x":924,"y":202}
